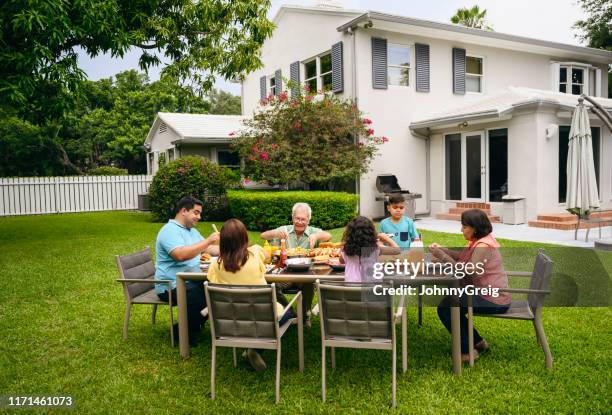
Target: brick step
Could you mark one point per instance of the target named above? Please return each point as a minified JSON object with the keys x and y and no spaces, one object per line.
{"x":457,"y":217}
{"x":459,"y":211}
{"x":473,"y":205}
{"x":552,"y":224}
{"x":557,"y":217}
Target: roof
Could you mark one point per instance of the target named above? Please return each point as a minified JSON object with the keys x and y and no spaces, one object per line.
{"x":369,"y":16}
{"x":198,"y":126}
{"x":504,"y":104}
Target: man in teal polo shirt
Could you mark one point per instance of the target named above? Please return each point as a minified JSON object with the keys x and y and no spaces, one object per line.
{"x":178,"y":247}
{"x":301,"y":235}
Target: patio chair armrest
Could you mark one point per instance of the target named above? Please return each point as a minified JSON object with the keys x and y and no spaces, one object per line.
{"x":143,"y":280}
{"x":519,"y":274}
{"x":288,"y":306}
{"x":401,"y":309}
{"x":523,"y":291}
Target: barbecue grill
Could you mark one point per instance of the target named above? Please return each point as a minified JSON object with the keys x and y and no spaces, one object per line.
{"x":387,"y":185}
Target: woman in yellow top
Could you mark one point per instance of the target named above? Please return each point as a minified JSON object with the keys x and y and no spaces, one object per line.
{"x":239,"y":264}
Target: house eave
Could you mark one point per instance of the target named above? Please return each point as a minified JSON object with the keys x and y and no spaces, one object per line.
{"x":599,"y":55}
{"x":202,"y":140}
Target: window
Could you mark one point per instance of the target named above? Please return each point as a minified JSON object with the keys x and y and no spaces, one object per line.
{"x":571,"y":80}
{"x":272,"y":81}
{"x":228,"y":158}
{"x":563,"y":144}
{"x":318,"y":73}
{"x":398,"y":64}
{"x":170,"y":155}
{"x":473,"y":74}
{"x":498,"y":164}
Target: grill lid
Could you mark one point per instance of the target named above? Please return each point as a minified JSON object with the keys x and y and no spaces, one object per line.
{"x":387,"y":183}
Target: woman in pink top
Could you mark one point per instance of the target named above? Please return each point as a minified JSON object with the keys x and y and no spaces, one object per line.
{"x":483,"y":253}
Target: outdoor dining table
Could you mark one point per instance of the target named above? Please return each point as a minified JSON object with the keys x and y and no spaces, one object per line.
{"x":323,"y":273}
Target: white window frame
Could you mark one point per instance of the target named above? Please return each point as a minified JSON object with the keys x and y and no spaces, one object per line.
{"x":318,"y":75}
{"x":586,"y":77}
{"x":475,"y":75}
{"x":271,"y":85}
{"x":409,"y":66}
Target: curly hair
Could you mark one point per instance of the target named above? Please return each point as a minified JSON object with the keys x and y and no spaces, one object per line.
{"x":359,"y":233}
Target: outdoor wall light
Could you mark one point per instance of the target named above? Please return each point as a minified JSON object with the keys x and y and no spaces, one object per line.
{"x":463,"y":124}
{"x":551,"y":130}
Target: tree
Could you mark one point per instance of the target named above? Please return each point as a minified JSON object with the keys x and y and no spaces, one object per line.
{"x":39,"y":71}
{"x":114,"y":116}
{"x":306,"y":140}
{"x":596,"y":29}
{"x":473,"y":17}
{"x":222,"y":102}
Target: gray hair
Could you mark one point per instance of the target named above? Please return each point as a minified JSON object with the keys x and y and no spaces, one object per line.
{"x":299,"y":206}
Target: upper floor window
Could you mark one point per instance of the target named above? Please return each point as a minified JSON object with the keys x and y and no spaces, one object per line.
{"x":272,"y":85}
{"x":398,"y":64}
{"x":473,"y":74}
{"x":571,"y":80}
{"x":318,"y":73}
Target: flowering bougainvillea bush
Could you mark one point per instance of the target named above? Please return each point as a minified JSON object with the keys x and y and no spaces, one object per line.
{"x":308,"y":139}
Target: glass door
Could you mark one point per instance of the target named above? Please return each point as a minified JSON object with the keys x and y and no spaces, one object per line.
{"x":473,"y":167}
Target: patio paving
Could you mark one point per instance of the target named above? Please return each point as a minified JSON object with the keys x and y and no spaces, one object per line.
{"x":520,"y":232}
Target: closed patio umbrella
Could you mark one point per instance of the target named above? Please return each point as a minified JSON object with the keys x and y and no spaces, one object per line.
{"x":582,"y":195}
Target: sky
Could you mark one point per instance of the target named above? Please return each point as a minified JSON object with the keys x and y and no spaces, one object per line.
{"x":540,"y":19}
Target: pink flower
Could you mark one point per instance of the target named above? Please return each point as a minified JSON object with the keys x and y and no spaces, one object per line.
{"x":385,"y":139}
{"x":263,"y":102}
{"x":246,"y":180}
{"x":271,"y":97}
{"x":283,"y":96}
{"x":254,"y":149}
{"x":264,"y":156}
{"x":308,"y":97}
{"x":251,"y":158}
{"x":306,"y":88}
{"x":370,"y":131}
{"x":367,"y":121}
{"x":274,"y":146}
{"x":298,"y":125}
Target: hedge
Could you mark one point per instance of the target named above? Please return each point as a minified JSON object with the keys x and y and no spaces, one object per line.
{"x":107,"y":171}
{"x":190,"y":176}
{"x":263,"y":210}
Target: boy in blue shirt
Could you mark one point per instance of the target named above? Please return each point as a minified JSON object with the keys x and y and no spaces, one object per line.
{"x":399,"y":227}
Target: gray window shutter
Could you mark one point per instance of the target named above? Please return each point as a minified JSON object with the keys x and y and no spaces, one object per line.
{"x":379,"y":63}
{"x":294,"y":74}
{"x":422,"y":67}
{"x":458,"y":71}
{"x":337,"y":68}
{"x":263,"y":93}
{"x":278,"y":82}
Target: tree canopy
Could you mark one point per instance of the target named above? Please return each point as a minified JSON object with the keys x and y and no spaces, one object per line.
{"x":39,"y":40}
{"x":596,"y":29}
{"x":472,"y":17}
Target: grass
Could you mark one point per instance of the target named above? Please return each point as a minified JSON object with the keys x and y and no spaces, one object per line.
{"x":61,"y":318}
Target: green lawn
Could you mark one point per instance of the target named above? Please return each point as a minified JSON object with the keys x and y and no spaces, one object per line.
{"x":61,"y":318}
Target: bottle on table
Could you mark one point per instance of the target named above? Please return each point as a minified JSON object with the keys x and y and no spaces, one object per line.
{"x":268,"y":251}
{"x":283,"y":254}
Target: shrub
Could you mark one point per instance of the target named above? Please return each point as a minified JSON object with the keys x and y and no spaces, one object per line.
{"x":263,"y":210}
{"x":190,"y":176}
{"x":107,"y":171}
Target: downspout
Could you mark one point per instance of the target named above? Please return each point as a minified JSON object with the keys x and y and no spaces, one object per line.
{"x":351,"y":32}
{"x":427,"y":168}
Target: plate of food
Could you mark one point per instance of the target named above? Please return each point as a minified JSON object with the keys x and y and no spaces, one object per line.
{"x":335,"y":264}
{"x":298,"y":264}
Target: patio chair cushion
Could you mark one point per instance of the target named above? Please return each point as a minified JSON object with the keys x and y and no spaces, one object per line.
{"x":148,"y":297}
{"x":518,"y":310}
{"x":138,"y":266}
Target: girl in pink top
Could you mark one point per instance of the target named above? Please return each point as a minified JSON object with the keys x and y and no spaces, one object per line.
{"x":362,"y":245}
{"x":483,"y":253}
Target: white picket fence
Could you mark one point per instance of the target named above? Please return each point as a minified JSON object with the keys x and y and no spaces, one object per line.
{"x":38,"y":195}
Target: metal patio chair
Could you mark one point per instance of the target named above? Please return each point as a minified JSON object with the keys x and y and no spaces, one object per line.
{"x":137,"y":274}
{"x":524,"y":310}
{"x":246,"y":317}
{"x":352,"y":316}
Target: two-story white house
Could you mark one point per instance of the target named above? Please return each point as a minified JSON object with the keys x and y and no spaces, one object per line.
{"x":472,"y":115}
